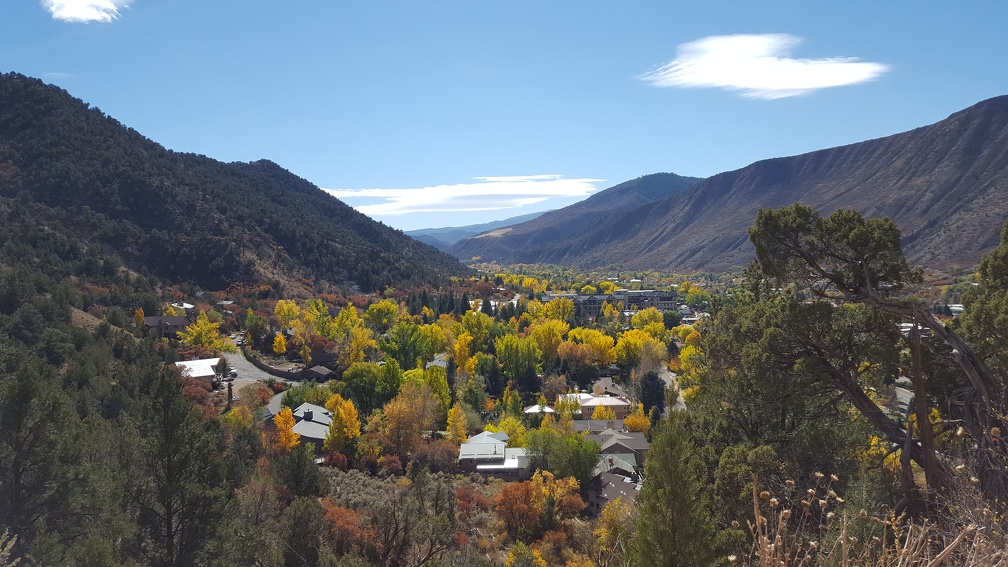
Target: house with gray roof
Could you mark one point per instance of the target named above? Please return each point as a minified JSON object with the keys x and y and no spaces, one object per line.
{"x":167,"y":327}
{"x":312,"y":424}
{"x":608,"y":486}
{"x":488,"y":453}
{"x":631,"y":447}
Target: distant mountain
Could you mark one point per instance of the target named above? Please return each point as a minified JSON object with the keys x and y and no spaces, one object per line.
{"x":185,"y":217}
{"x":945,"y":185}
{"x":444,"y":238}
{"x":525,"y":241}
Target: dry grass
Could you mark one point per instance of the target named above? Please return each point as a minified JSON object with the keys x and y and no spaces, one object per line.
{"x":817,"y":531}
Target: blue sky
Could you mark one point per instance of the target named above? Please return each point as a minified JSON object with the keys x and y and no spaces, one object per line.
{"x":426,"y":114}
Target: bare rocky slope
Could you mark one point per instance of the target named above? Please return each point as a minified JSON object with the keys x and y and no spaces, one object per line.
{"x":569,"y":222}
{"x":945,"y":185}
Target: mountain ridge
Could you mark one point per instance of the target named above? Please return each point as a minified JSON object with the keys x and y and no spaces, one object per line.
{"x":443,"y":238}
{"x":562,"y":223}
{"x":946,"y":186}
{"x":186,"y":217}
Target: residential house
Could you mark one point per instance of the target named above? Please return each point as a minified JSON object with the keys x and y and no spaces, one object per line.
{"x":631,"y":447}
{"x":318,"y":373}
{"x":488,"y":453}
{"x":618,"y":404}
{"x":536,"y":408}
{"x":596,"y":426}
{"x":608,"y":486}
{"x":203,"y":368}
{"x":605,"y":385}
{"x":167,"y":327}
{"x":311,"y":422}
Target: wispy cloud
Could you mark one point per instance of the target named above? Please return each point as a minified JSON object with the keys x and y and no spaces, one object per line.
{"x":85,"y":10}
{"x":758,"y":66}
{"x":483,"y":194}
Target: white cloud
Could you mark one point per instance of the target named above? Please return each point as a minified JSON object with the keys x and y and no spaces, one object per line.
{"x":484,"y":194}
{"x":758,"y":67}
{"x":85,"y":10}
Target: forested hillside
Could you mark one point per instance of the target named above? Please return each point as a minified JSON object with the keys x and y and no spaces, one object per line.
{"x":186,"y":217}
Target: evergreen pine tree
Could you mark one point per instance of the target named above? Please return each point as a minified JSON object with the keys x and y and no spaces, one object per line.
{"x":674,"y":527}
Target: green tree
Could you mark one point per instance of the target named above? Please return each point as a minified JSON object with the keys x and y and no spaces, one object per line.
{"x":478,"y":326}
{"x":861,"y":261}
{"x":565,"y":454}
{"x":297,"y":471}
{"x":255,"y":326}
{"x":36,"y":454}
{"x":404,"y":343}
{"x":303,"y":525}
{"x":178,"y":488}
{"x":518,"y":357}
{"x":983,"y":324}
{"x":674,"y":526}
{"x":652,"y":392}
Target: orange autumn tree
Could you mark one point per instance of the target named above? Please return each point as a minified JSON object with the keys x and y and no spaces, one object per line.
{"x":286,"y":438}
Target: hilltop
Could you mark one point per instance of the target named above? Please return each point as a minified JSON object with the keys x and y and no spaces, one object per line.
{"x":185,"y":217}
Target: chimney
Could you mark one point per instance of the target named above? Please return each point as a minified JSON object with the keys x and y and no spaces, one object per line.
{"x":308,"y":414}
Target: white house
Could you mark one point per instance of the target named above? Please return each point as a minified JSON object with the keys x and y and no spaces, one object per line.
{"x":489,"y":454}
{"x":202,"y":368}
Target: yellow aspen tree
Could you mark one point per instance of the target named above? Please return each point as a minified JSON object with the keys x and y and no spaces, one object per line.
{"x":456,"y":424}
{"x":239,"y":418}
{"x":279,"y":344}
{"x":547,"y":421}
{"x":515,"y":429}
{"x":286,"y":312}
{"x":345,"y":427}
{"x":462,"y":354}
{"x":561,"y":309}
{"x":206,"y":333}
{"x":603,"y":413}
{"x":548,"y":334}
{"x":612,"y":533}
{"x":637,"y":422}
{"x":550,"y":494}
{"x":286,"y":438}
{"x":139,"y":315}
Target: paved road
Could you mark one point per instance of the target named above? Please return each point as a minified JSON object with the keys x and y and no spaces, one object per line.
{"x":670,"y":379}
{"x":250,"y":374}
{"x":247,"y":373}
